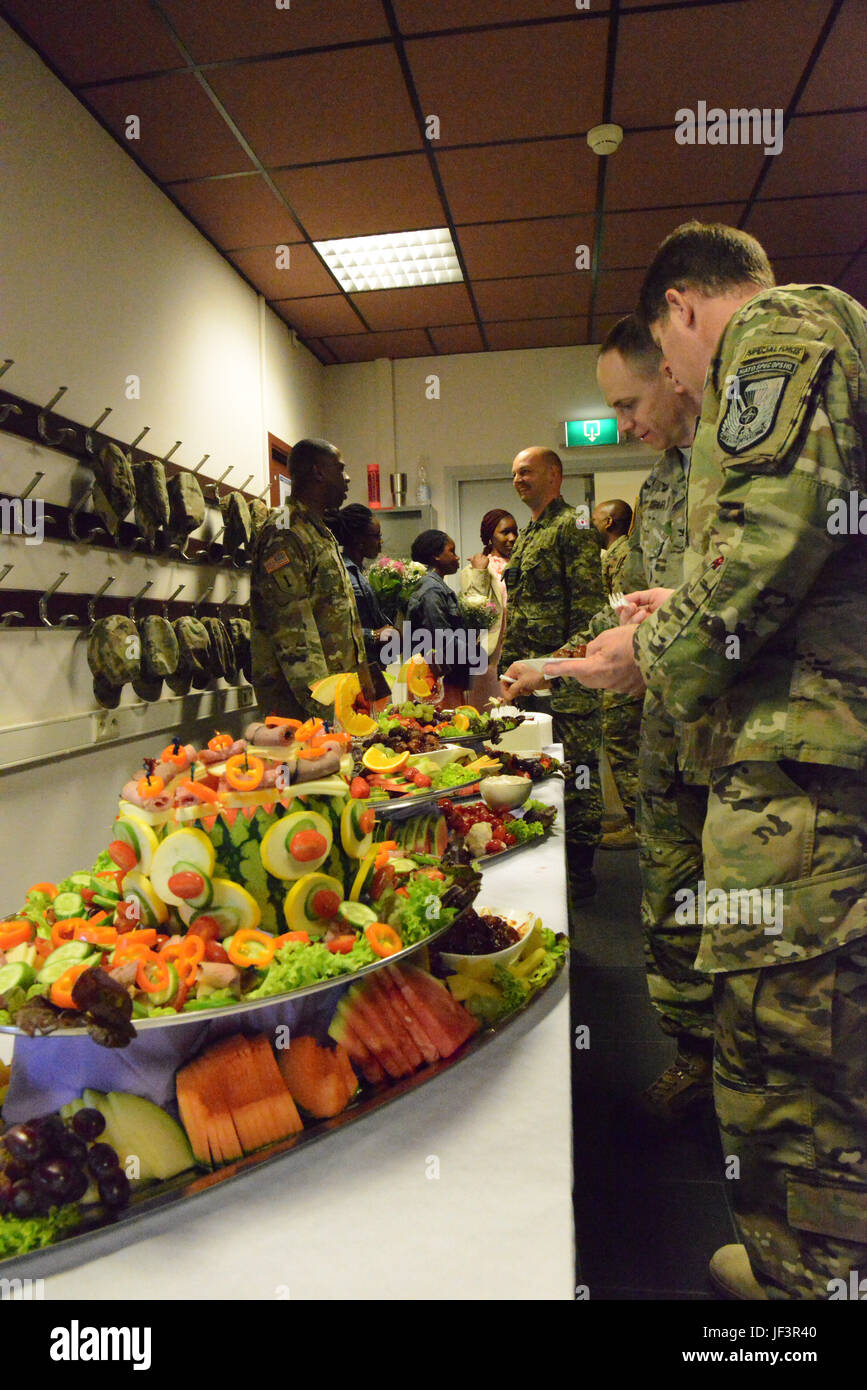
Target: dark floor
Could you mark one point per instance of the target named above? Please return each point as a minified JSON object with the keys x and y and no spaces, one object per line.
{"x":650,"y":1206}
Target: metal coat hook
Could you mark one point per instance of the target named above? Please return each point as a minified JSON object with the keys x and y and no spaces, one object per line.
{"x":133,"y":601}
{"x":261,"y":496}
{"x":7,"y":618}
{"x":43,"y":605}
{"x":213,"y":486}
{"x":91,"y":602}
{"x":246,"y":481}
{"x":171,"y":599}
{"x":88,"y":438}
{"x":44,"y":434}
{"x":175,"y":446}
{"x":37,"y":478}
{"x":200,"y":600}
{"x":7,"y":363}
{"x":139,"y":437}
{"x":76,"y":511}
{"x":203,"y":460}
{"x":10,"y":408}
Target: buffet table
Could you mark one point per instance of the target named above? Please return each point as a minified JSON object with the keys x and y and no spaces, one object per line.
{"x":458,"y":1190}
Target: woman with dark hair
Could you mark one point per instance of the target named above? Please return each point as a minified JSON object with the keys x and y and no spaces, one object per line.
{"x":453,"y":646}
{"x":483,"y":579}
{"x":359,"y":536}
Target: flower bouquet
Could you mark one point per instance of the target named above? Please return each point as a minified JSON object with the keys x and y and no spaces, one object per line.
{"x":393,"y":581}
{"x":481,"y":612}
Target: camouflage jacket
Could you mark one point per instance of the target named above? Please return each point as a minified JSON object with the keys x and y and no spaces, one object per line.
{"x":613,"y":560}
{"x":304,"y":620}
{"x":554,"y":586}
{"x":765,"y":643}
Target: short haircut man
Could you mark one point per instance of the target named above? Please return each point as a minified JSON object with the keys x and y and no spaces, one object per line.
{"x":705,"y":256}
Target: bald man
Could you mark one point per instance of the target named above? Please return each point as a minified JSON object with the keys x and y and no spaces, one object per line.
{"x":554,"y":585}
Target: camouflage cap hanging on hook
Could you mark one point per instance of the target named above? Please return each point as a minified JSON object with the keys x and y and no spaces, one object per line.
{"x":259,"y":510}
{"x":152,"y":509}
{"x":114,"y":488}
{"x":114,"y":657}
{"x":239,"y":633}
{"x":160,"y":656}
{"x":236,"y":514}
{"x":186,"y":503}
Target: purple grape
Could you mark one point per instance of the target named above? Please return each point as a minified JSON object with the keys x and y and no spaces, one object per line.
{"x":114,"y":1189}
{"x":102,"y":1160}
{"x":25,"y":1143}
{"x":51,"y":1130}
{"x":78,"y":1185}
{"x":23,"y":1200}
{"x":71,"y":1146}
{"x":88,"y":1123}
{"x":14,"y":1171}
{"x":52,"y":1178}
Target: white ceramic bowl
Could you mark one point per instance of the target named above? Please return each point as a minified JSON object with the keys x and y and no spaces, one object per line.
{"x":504,"y":793}
{"x":524,"y":925}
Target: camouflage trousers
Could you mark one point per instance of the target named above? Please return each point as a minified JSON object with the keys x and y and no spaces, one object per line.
{"x":670,"y":825}
{"x":790,"y":1065}
{"x":621,"y":727}
{"x":581,"y":737}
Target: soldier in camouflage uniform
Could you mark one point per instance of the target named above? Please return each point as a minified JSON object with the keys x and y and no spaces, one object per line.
{"x":762,"y":652}
{"x":305,"y":622}
{"x":621,"y":714}
{"x":554,"y":586}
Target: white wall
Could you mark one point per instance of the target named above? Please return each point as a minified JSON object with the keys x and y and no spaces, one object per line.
{"x":103,"y":278}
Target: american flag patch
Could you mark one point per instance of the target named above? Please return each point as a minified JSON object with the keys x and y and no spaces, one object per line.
{"x":276,"y":561}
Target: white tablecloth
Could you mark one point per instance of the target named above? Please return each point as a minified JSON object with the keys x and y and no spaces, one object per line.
{"x":461,"y":1190}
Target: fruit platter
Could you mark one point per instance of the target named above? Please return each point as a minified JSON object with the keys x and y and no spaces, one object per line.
{"x":224,"y":885}
{"x":479,"y":832}
{"x":109,"y":1159}
{"x":402,"y":783}
{"x":418,"y":726}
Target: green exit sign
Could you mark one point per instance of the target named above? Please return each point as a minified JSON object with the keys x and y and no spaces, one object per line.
{"x":581,"y":433}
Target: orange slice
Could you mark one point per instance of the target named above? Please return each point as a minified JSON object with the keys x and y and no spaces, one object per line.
{"x":379,"y":759}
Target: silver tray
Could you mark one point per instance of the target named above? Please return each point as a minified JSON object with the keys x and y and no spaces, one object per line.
{"x":405,"y":807}
{"x":244,"y":1006}
{"x":93,"y":1238}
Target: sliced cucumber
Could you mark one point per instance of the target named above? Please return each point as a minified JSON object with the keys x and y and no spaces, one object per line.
{"x":81,"y":880}
{"x":16,"y":976}
{"x":201,"y":900}
{"x":55,"y":965}
{"x":356,"y":914}
{"x":68,"y":905}
{"x":165,"y":996}
{"x":103,"y":900}
{"x":403,"y":866}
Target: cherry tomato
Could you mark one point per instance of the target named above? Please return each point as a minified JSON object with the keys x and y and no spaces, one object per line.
{"x":123,"y":855}
{"x":307,"y":845}
{"x":325,"y":903}
{"x":127,"y":915}
{"x":186,"y":884}
{"x":215,"y":952}
{"x":359,"y":788}
{"x":206,"y":927}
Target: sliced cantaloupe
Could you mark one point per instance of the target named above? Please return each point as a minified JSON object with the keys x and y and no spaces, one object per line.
{"x":188,"y":846}
{"x":319,"y":1079}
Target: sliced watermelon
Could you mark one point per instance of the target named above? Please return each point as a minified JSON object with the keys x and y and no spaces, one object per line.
{"x":387,"y":1026}
{"x":380,"y":998}
{"x":341,"y":1030}
{"x":446,"y":1022}
{"x":424,"y":1044}
{"x":369,"y":1032}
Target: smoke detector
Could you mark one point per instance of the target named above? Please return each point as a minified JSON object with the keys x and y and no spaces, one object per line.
{"x":605,"y":139}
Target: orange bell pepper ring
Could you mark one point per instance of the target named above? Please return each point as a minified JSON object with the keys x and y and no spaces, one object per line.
{"x":64,"y":931}
{"x":288,"y":936}
{"x":201,"y":791}
{"x":220,"y":743}
{"x":150,"y":787}
{"x":251,"y":947}
{"x":61,"y":990}
{"x":15,"y":933}
{"x":188,"y":950}
{"x":97,"y":935}
{"x":145,"y":977}
{"x":244,"y":772}
{"x":383,"y":939}
{"x":175,"y":753}
{"x":49,"y":888}
{"x":308,"y":729}
{"x":276,"y":721}
{"x":309,"y":752}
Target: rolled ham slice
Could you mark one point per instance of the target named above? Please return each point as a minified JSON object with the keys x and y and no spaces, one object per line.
{"x":262,"y":736}
{"x":147,"y":803}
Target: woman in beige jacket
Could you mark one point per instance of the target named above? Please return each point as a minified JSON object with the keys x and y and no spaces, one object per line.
{"x":483,"y":578}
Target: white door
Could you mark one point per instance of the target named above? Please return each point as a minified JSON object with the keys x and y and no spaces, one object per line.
{"x":479,"y":495}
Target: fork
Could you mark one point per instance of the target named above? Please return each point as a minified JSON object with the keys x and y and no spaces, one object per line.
{"x":617,"y":599}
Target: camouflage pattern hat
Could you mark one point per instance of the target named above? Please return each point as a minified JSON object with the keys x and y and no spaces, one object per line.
{"x":193,"y":643}
{"x":152,"y":508}
{"x":187,"y":505}
{"x":160,"y":652}
{"x":236,"y":514}
{"x":239,"y":633}
{"x":221,"y":654}
{"x":147,"y":689}
{"x":259,"y":510}
{"x":114,"y":490}
{"x":180,"y":682}
{"x":114,"y":657}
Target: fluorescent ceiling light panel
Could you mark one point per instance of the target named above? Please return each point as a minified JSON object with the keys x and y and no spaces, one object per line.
{"x":393,"y":261}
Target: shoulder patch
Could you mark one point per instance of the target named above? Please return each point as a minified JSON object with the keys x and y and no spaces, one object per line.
{"x":276,"y":561}
{"x":755,"y":394}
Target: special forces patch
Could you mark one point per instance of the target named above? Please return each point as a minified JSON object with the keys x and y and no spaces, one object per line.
{"x":755,"y":394}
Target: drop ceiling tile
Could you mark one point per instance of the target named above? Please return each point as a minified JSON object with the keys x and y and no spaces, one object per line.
{"x":543,"y":246}
{"x":486,"y":86}
{"x":617,"y":291}
{"x":717,"y":48}
{"x":840,"y":75}
{"x":364,"y":347}
{"x":420,"y":15}
{"x":239,"y":29}
{"x":182,"y":134}
{"x":821,"y":154}
{"x":318,"y":315}
{"x":809,"y":270}
{"x":651,"y":170}
{"x":364,"y":197}
{"x":93,"y":40}
{"x":237,"y":212}
{"x":532,"y":297}
{"x":461,"y":337}
{"x":801,"y":225}
{"x":537,"y":333}
{"x":536,"y":179}
{"x":318,"y":106}
{"x":631,"y":239}
{"x":854,"y":281}
{"x":414,"y":308}
{"x":305,"y":275}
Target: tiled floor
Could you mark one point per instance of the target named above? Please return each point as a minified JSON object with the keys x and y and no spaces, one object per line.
{"x":650,"y":1206}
